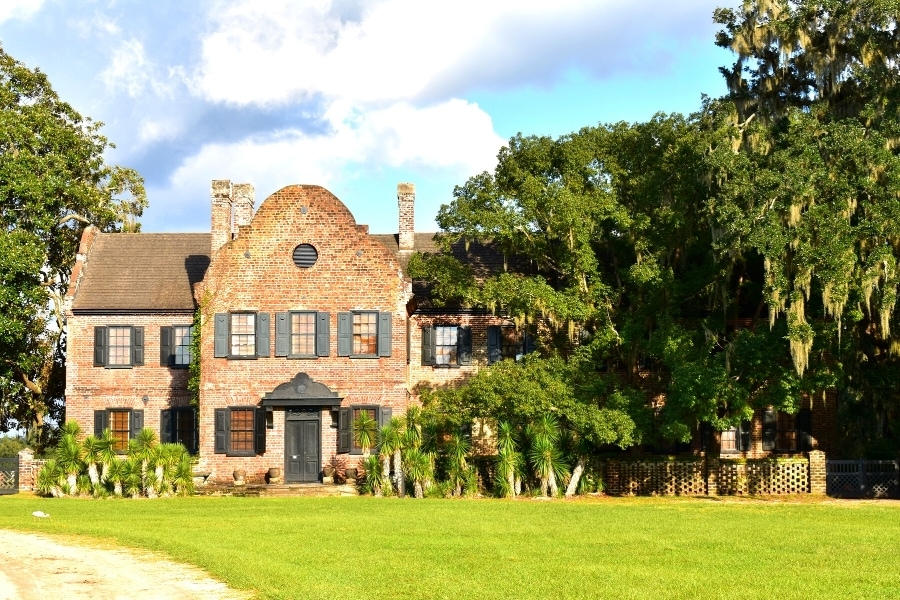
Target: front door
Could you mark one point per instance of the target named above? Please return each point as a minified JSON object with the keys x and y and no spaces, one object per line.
{"x":301,"y":450}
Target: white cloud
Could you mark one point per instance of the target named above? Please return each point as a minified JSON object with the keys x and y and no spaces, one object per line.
{"x":279,"y":51}
{"x":19,"y":9}
{"x":151,"y":130}
{"x":455,"y":134}
{"x":131,"y":71}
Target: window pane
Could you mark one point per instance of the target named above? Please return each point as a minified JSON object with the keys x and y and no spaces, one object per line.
{"x":243,"y":334}
{"x":119,"y":346}
{"x":730,"y":440}
{"x":365,"y":332}
{"x":120,"y":426}
{"x":445,"y":338}
{"x":303,"y":333}
{"x":242,"y":430}
{"x":182,"y":345}
{"x":787,"y":433}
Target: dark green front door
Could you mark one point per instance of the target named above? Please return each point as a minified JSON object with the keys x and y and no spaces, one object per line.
{"x":301,"y":450}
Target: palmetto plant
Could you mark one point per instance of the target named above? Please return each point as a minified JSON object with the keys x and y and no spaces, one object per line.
{"x":92,"y":447}
{"x":458,"y":469}
{"x":508,"y":461}
{"x":365,"y":431}
{"x":115,"y":473}
{"x":418,"y":467}
{"x":49,"y":479}
{"x":390,"y":446}
{"x":183,"y":476}
{"x":69,"y":458}
{"x":544,"y":453}
{"x":131,"y":470}
{"x":107,"y":452}
{"x":143,"y":449}
{"x":373,"y":481}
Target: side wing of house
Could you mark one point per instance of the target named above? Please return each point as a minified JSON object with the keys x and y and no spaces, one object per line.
{"x":129,"y":315}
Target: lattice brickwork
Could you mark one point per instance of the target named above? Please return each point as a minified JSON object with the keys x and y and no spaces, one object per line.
{"x":663,"y":478}
{"x":760,"y":477}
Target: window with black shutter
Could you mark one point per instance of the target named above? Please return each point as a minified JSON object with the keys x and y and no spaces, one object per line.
{"x":770,"y":430}
{"x":240,"y":431}
{"x":241,"y":335}
{"x":364,"y":334}
{"x":179,"y":426}
{"x":302,"y":334}
{"x":446,"y":346}
{"x":118,"y":346}
{"x":123,"y":423}
{"x":175,"y":346}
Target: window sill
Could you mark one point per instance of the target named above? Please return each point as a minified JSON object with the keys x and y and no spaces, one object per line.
{"x":302,"y":356}
{"x":242,"y":357}
{"x":241,"y":454}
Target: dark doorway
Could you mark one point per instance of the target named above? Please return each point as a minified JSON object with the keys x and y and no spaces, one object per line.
{"x":301,"y":446}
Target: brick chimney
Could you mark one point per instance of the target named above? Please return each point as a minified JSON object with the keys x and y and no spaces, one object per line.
{"x":221,"y":193}
{"x":406,"y":200}
{"x":244,"y":199}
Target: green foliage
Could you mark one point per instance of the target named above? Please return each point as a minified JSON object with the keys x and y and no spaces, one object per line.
{"x":656,"y":250}
{"x":10,"y":446}
{"x":53,"y":181}
{"x":148,"y":469}
{"x":365,"y":431}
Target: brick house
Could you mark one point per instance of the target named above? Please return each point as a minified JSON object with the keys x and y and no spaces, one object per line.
{"x":307,"y":319}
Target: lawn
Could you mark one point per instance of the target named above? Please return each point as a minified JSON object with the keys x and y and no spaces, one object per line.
{"x":594,"y":548}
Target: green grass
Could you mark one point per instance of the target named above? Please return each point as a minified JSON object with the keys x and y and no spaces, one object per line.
{"x":607,"y":548}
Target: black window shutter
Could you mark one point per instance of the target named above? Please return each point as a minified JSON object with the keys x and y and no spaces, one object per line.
{"x":282,"y":334}
{"x":166,"y":346}
{"x":804,"y":429}
{"x":166,"y":419}
{"x":744,"y":432}
{"x":259,"y":439}
{"x":99,"y":346}
{"x":221,"y":336}
{"x":464,"y":345}
{"x":221,"y":431}
{"x":428,"y":345}
{"x":384,"y":334}
{"x":323,"y":334}
{"x":137,"y":422}
{"x":137,"y":345}
{"x":344,"y":430}
{"x":263,"y":338}
{"x":770,"y":429}
{"x":345,"y":328}
{"x":384,"y":416}
{"x":101,"y":422}
{"x":493,"y":343}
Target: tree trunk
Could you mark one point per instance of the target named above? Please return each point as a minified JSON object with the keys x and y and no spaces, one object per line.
{"x":551,"y":483}
{"x":576,"y":476}
{"x":398,"y":473}
{"x":418,"y":489}
{"x":545,"y":486}
{"x":92,"y":473}
{"x":517,"y":486}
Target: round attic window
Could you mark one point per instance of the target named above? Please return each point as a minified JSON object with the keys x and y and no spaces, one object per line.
{"x":305,"y":256}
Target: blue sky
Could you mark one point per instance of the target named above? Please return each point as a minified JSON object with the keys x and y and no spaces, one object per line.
{"x":354,"y":95}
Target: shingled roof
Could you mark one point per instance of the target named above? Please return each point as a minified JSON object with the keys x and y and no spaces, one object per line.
{"x":142,"y":272}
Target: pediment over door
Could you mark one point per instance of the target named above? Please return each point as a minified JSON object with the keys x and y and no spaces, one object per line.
{"x":302,"y":390}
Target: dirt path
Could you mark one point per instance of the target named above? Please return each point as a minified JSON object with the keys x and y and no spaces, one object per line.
{"x":38,"y":567}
